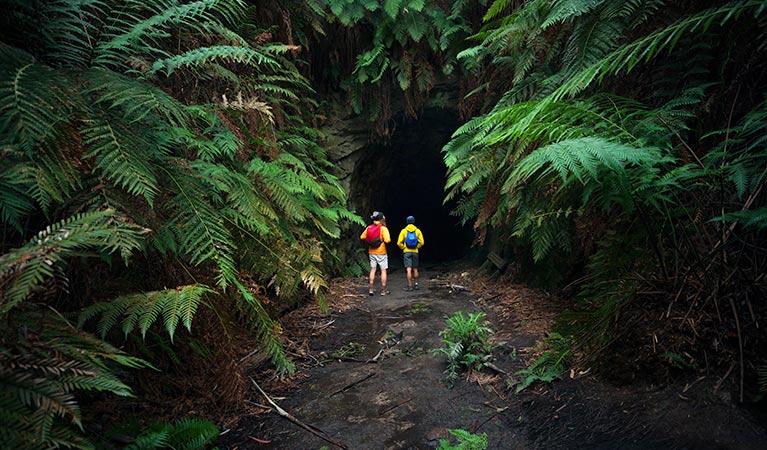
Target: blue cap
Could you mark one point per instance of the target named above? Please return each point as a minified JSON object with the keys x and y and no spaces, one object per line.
{"x":410,"y":219}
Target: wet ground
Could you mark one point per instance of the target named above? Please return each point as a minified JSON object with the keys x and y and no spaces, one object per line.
{"x":368,"y":379}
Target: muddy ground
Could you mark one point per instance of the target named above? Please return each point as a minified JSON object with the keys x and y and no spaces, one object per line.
{"x":367,"y":378}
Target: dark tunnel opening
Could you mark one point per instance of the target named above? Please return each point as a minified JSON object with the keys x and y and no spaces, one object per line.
{"x":406,"y":177}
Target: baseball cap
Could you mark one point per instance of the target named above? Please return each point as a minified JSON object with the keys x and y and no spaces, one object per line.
{"x":410,"y":219}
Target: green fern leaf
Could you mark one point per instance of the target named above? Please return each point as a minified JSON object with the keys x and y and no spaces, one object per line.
{"x":27,"y":268}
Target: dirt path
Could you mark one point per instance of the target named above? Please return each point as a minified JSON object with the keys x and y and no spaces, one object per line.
{"x":368,"y":378}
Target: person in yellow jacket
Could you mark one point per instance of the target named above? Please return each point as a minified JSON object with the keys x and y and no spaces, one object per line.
{"x":410,"y":240}
{"x":377,"y":249}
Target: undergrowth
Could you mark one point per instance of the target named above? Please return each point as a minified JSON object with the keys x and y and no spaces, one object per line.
{"x":467,"y":343}
{"x":547,"y":367}
{"x":466,"y":441}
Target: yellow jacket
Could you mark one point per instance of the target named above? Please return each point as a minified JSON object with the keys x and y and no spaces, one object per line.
{"x":385,"y":239}
{"x":403,"y":234}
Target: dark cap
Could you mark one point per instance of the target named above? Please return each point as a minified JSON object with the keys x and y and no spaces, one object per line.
{"x":410,"y":219}
{"x":377,"y":215}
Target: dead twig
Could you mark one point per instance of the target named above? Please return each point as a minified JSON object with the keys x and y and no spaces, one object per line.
{"x":310,"y":428}
{"x":689,"y":385}
{"x":351,"y":385}
{"x":740,"y":345}
{"x":496,"y":368}
{"x":727,"y":374}
{"x":350,"y":359}
{"x":375,"y":358}
{"x":478,"y":426}
{"x":249,"y":354}
{"x":395,"y":406}
{"x":320,"y":327}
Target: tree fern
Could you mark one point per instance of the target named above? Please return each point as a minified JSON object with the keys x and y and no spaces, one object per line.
{"x":120,"y":106}
{"x":17,"y":203}
{"x":32,"y":102}
{"x":613,"y":120}
{"x":134,"y":101}
{"x":72,"y":30}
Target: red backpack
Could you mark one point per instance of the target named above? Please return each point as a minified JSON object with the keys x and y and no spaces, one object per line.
{"x":373,"y":235}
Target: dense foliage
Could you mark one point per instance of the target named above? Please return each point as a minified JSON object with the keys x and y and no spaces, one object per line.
{"x":388,"y":56}
{"x":154,"y":163}
{"x":161,"y":172}
{"x":631,"y":136}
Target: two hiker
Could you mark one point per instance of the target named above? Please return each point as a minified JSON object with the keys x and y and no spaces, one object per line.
{"x":377,"y":236}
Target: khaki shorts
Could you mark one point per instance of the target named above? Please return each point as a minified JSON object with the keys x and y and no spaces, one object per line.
{"x":381,"y":261}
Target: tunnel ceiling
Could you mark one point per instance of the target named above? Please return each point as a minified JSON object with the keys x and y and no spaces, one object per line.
{"x":406,"y":176}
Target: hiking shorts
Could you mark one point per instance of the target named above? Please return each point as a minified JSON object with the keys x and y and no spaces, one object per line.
{"x":410,"y":259}
{"x":381,"y":261}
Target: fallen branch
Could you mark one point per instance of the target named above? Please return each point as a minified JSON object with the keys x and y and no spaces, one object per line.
{"x":353,"y":359}
{"x":320,"y":327}
{"x":449,"y":285}
{"x":496,"y":368}
{"x":286,"y":415}
{"x":349,"y":359}
{"x":395,"y":406}
{"x":375,"y":358}
{"x":351,"y":385}
{"x":727,"y":374}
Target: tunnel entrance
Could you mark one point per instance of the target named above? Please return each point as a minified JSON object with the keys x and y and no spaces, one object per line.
{"x":406,"y":177}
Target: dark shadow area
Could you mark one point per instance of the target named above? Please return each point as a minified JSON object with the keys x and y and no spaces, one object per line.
{"x":407,"y":177}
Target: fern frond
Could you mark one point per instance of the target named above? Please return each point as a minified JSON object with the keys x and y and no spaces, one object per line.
{"x":755,"y":218}
{"x":645,"y":49}
{"x":42,"y":372}
{"x":198,"y":224}
{"x":25,"y":269}
{"x":268,"y":330}
{"x":582,"y":158}
{"x":34,"y":101}
{"x":138,"y":27}
{"x":135,"y":100}
{"x":250,"y":209}
{"x":568,"y":10}
{"x":124,"y":157}
{"x":206,"y":55}
{"x":144,"y":309}
{"x":72,"y":29}
{"x":14,"y":190}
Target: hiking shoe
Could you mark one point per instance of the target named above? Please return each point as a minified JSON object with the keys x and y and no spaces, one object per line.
{"x":385,"y":292}
{"x":408,"y":289}
{"x":416,"y":286}
{"x":371,"y":292}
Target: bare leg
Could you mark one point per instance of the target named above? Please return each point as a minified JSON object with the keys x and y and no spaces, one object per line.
{"x":409,"y":277}
{"x":383,"y":279}
{"x":415,"y":272}
{"x":372,"y":277}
